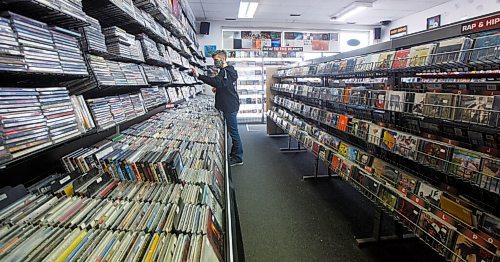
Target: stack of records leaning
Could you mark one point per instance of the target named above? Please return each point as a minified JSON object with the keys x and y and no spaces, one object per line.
{"x":36,"y":43}
{"x":117,"y":110}
{"x":128,"y":107}
{"x":22,"y":123}
{"x":93,"y":39}
{"x":138,"y":103}
{"x":69,"y":51}
{"x":11,"y":58}
{"x":133,"y":74}
{"x":58,"y":110}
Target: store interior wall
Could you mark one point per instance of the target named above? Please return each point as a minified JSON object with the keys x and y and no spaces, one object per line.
{"x":451,"y":12}
{"x":216,"y":27}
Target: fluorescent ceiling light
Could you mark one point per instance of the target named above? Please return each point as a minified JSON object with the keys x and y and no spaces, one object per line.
{"x":247,"y":9}
{"x":351,"y":10}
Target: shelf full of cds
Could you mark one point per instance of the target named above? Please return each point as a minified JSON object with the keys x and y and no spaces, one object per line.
{"x":251,"y":66}
{"x":414,"y":128}
{"x":158,"y":191}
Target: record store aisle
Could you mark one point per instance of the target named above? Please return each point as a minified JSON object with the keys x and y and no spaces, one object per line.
{"x":286,"y":219}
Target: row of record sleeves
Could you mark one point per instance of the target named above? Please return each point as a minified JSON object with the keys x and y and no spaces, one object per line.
{"x":451,"y":225}
{"x":456,"y":51}
{"x":476,"y":109}
{"x":479,"y":169}
{"x":107,"y":216}
{"x":32,"y":119}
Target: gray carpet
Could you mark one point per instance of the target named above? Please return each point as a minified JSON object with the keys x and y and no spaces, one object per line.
{"x":286,"y":219}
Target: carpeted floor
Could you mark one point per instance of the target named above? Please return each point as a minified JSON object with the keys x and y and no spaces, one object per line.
{"x":284,"y":218}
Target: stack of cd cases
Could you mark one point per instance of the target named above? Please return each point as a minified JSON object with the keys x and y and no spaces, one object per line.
{"x":69,"y":51}
{"x":120,"y":43}
{"x":11,"y":58}
{"x":154,"y":96}
{"x":171,"y":211}
{"x":93,"y":39}
{"x":36,"y":42}
{"x":156,"y":74}
{"x":58,"y":110}
{"x":112,"y":110}
{"x":23,"y":124}
{"x":151,"y":53}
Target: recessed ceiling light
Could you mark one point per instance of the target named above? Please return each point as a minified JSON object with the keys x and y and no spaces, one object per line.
{"x":247,"y":9}
{"x":230,"y":19}
{"x":295,"y":15}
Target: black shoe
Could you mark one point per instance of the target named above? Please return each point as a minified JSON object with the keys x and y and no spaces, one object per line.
{"x":233,"y":162}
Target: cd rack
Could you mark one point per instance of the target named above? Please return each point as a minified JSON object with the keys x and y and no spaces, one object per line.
{"x":44,"y":11}
{"x":401,"y":121}
{"x":401,"y":203}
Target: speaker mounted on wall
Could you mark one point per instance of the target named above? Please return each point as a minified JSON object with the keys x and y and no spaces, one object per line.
{"x":205,"y":28}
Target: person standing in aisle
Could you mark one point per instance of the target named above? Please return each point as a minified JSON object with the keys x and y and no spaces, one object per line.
{"x":226,"y":100}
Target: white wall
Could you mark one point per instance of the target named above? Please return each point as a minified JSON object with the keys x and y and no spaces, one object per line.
{"x":450,"y":12}
{"x":215,"y":37}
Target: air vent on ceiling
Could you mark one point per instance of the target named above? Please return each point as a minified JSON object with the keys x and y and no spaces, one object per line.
{"x":295,"y":15}
{"x":230,"y":19}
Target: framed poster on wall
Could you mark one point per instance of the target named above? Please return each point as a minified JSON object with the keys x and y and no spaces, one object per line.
{"x":433,"y":22}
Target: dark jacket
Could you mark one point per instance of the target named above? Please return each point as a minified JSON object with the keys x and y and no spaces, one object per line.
{"x":226,"y":96}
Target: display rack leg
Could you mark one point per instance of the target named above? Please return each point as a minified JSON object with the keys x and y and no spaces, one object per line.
{"x":376,"y":234}
{"x":289,"y":149}
{"x":316,"y":175}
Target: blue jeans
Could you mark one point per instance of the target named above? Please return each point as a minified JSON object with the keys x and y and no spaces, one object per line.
{"x":232,"y":128}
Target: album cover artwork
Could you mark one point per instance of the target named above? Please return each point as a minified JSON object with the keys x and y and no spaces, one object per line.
{"x":335,"y":143}
{"x":475,"y":109}
{"x":429,"y":193}
{"x":418,"y":103}
{"x":345,"y":170}
{"x":377,"y":99}
{"x":343,"y":149}
{"x":388,"y":198}
{"x":408,"y":182}
{"x":395,"y":101}
{"x":465,"y":164}
{"x":435,"y":231}
{"x":363,"y":129}
{"x":343,"y":122}
{"x":421,"y":55}
{"x":490,"y":224}
{"x":449,"y":50}
{"x":352,"y":153}
{"x":439,"y":105}
{"x":486,"y":48}
{"x":401,"y":59}
{"x":459,"y":209}
{"x":375,"y":134}
{"x":490,"y":174}
{"x":495,"y":116}
{"x":385,"y":60}
{"x":335,"y":164}
{"x":409,"y":211}
{"x":378,"y":167}
{"x":471,"y":248}
{"x":433,"y":154}
{"x":389,"y":138}
{"x":364,"y":159}
{"x":391,"y":174}
{"x":406,"y":145}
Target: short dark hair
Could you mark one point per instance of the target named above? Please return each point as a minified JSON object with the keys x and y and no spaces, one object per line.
{"x":224,"y":54}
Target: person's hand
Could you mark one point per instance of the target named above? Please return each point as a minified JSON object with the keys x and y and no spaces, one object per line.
{"x":194,"y":71}
{"x":214,"y":89}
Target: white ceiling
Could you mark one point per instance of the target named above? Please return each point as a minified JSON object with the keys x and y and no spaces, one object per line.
{"x":312,"y":11}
